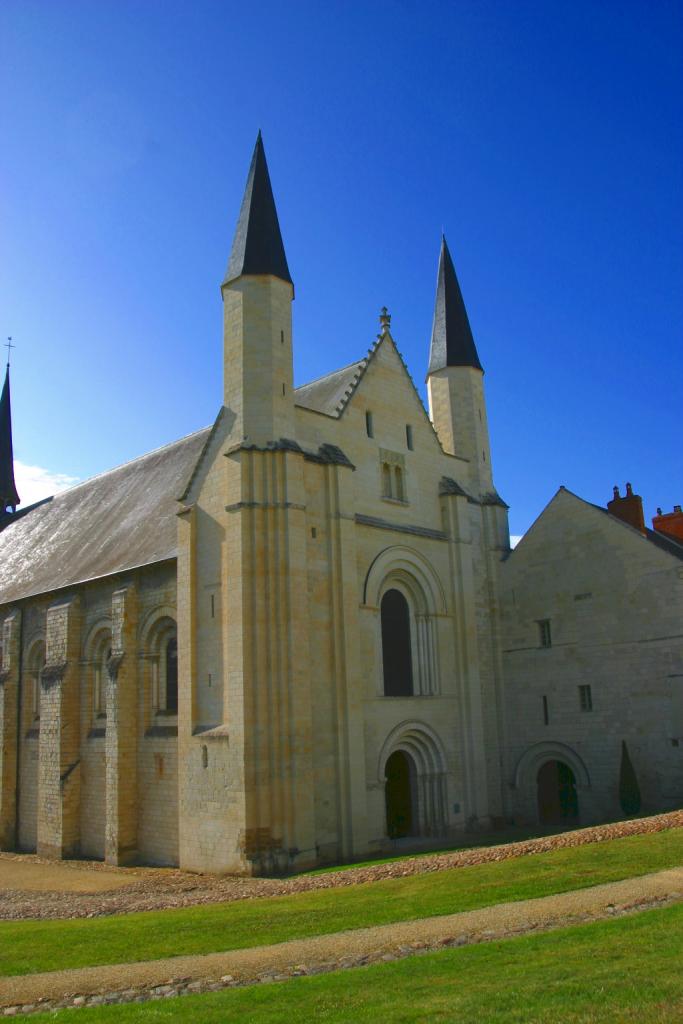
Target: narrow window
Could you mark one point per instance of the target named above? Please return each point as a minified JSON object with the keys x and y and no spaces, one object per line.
{"x":282,"y":337}
{"x":544,"y":635}
{"x":398,"y":477}
{"x":585,"y":698}
{"x":386,"y":480}
{"x":546,"y":717}
{"x":283,"y":389}
{"x":369,"y":428}
{"x":409,"y":437}
{"x":397,"y":662}
{"x":213,"y":607}
{"x":314,"y":532}
{"x":205,"y":756}
{"x":172,"y":675}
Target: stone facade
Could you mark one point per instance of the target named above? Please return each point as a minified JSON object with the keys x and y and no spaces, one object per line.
{"x":298,"y":637}
{"x":602,"y":687}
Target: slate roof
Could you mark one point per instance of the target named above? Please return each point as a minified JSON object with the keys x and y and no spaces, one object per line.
{"x":117,"y":521}
{"x":329,"y":394}
{"x":660,"y":540}
{"x":257,"y":247}
{"x":452,"y":341}
{"x":8,"y":489}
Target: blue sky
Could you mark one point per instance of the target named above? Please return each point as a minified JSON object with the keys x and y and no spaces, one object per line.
{"x":545,"y":138}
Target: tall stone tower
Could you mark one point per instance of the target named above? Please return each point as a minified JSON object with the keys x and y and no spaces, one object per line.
{"x":257,"y":315}
{"x":244,"y":728}
{"x":455,"y":380}
{"x":457,"y":407}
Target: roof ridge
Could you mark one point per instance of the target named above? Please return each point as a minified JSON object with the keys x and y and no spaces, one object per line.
{"x":129,"y":462}
{"x":330,"y":373}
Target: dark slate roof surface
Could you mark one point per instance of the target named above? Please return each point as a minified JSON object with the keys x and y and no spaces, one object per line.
{"x":117,"y":521}
{"x":257,"y":247}
{"x":8,"y":489}
{"x":330,"y":393}
{"x":452,"y":340}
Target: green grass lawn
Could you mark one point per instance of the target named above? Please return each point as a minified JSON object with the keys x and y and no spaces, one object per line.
{"x":30,"y":946}
{"x":626,"y":970}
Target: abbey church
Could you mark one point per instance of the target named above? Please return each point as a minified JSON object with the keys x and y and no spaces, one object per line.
{"x":299,"y":636}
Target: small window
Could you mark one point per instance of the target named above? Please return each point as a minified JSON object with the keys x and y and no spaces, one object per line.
{"x":369,"y":427}
{"x":386,"y":480}
{"x":585,"y":698}
{"x":409,"y":437}
{"x":544,"y":635}
{"x":172,"y":675}
{"x":213,"y":606}
{"x":546,"y":717}
{"x":398,"y":478}
{"x":282,"y":337}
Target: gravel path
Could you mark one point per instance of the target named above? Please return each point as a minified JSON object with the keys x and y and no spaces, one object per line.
{"x":156,"y":979}
{"x":161,"y":888}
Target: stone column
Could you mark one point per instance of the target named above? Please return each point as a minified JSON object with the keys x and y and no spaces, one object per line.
{"x":455,"y":510}
{"x":59,"y":743}
{"x":9,"y":690}
{"x":121,"y":736}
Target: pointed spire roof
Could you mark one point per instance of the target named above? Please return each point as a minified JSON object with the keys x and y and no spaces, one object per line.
{"x":452,"y":341}
{"x":8,"y":490}
{"x":257,"y":246}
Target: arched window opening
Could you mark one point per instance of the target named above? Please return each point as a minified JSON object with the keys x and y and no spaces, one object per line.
{"x":35,"y":666}
{"x":171,"y":656}
{"x":400,"y":796}
{"x":558,"y":803}
{"x":397,"y":659}
{"x":99,"y":698}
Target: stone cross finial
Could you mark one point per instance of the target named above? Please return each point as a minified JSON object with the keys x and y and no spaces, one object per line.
{"x":9,"y":346}
{"x":384,"y":319}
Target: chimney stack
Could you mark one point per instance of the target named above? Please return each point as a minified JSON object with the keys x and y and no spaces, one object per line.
{"x":670,"y":523}
{"x":629,"y":508}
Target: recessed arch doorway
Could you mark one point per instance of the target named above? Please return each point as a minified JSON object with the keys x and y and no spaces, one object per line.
{"x":558,"y":802}
{"x":401,"y":795}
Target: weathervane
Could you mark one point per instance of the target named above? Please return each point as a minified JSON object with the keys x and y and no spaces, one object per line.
{"x":9,"y":346}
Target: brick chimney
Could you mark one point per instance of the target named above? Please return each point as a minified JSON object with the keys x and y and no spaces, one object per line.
{"x":670,"y":523}
{"x":629,"y":508}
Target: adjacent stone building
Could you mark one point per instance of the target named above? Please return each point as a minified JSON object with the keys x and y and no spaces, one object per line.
{"x":278,"y":642}
{"x":592,"y":606}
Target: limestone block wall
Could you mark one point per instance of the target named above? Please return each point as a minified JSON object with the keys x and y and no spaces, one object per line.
{"x":79,"y":770}
{"x":614,"y":602}
{"x":463,"y":550}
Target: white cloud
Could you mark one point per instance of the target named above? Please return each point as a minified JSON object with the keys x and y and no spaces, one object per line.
{"x":514,"y":540}
{"x":34,"y":482}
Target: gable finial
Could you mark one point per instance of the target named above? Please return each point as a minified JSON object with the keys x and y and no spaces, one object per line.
{"x":384,"y":320}
{"x":9,"y":346}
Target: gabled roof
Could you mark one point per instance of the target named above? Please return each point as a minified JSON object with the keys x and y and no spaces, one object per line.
{"x":452,"y":341}
{"x":659,"y":540}
{"x":257,"y":247}
{"x":330,"y":394}
{"x":117,"y":521}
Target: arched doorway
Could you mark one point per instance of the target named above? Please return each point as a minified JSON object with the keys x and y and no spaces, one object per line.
{"x":400,"y":795}
{"x":558,"y":803}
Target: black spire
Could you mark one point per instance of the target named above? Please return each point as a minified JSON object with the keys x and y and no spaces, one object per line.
{"x":257,"y":247}
{"x":452,"y":341}
{"x":8,"y":489}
